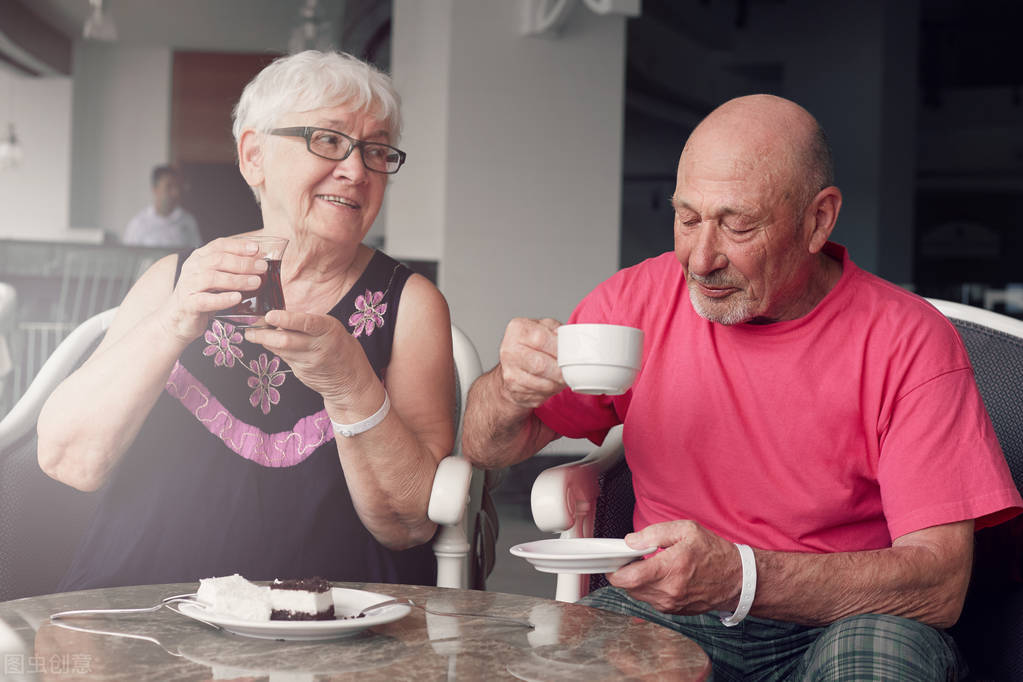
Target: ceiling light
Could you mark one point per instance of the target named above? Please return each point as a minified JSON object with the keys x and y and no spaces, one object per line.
{"x":11,"y":152}
{"x":100,"y":25}
{"x":312,"y":32}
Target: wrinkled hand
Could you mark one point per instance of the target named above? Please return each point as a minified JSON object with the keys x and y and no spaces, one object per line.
{"x":529,"y":361}
{"x":320,"y":351}
{"x":696,"y":572}
{"x":212,"y":278}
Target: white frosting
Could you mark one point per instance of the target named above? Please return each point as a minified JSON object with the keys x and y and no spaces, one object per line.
{"x":235,"y":597}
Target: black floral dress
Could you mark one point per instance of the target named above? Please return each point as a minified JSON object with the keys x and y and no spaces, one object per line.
{"x":236,"y":469}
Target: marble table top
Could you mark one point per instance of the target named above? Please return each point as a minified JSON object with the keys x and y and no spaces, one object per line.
{"x":568,"y":641}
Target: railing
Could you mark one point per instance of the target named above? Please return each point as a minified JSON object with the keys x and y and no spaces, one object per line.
{"x":58,"y":287}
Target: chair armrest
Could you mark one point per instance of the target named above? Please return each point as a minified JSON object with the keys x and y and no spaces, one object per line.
{"x":564,"y":497}
{"x":22,"y":417}
{"x":450,"y":493}
{"x":449,"y":500}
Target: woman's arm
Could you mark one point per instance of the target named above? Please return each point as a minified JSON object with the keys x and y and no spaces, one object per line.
{"x":93,"y":416}
{"x":389,"y":468}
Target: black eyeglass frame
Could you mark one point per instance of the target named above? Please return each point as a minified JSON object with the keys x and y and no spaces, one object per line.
{"x":308,"y":131}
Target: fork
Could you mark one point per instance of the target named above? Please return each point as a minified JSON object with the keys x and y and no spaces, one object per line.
{"x":388,"y":602}
{"x":166,"y":601}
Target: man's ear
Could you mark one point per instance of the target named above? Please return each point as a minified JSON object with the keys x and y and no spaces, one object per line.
{"x":250,"y":157}
{"x":822,"y":214}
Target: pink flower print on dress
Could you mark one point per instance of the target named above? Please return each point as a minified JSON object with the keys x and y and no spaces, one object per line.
{"x":266,"y":379}
{"x":221,"y":338}
{"x":369,"y":313}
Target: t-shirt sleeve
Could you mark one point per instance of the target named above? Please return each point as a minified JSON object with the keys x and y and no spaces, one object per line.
{"x":132,"y":233}
{"x":587,"y":416}
{"x":940,"y":461}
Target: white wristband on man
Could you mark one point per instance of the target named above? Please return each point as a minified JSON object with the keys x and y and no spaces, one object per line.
{"x":749,"y":586}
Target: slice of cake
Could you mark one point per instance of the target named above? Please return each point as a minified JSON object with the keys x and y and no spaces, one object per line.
{"x":233,"y":596}
{"x":305,"y":599}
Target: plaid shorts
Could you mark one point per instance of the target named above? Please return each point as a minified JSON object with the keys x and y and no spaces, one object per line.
{"x":867,"y":647}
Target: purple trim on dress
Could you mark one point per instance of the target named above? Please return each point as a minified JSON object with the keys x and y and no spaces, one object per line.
{"x":284,"y":449}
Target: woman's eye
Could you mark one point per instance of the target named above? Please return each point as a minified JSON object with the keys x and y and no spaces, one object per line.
{"x":326,"y":139}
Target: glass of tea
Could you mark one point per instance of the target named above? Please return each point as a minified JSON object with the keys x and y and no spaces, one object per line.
{"x":269,"y":296}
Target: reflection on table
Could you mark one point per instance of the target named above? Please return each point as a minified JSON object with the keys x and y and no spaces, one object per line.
{"x":568,"y":641}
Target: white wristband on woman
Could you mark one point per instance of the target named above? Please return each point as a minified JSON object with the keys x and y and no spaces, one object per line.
{"x":749,"y":586}
{"x":349,"y":430}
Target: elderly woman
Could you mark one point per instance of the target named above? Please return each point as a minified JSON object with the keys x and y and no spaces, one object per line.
{"x":214,"y":445}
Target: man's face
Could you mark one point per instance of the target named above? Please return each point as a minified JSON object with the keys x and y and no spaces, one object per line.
{"x":166,"y":194}
{"x":738,"y":236}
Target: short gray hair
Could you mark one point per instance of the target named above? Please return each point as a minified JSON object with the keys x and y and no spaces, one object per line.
{"x":820,"y":164}
{"x":312,"y":80}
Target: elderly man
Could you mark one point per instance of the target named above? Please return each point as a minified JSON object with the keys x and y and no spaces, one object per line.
{"x":806,"y":440}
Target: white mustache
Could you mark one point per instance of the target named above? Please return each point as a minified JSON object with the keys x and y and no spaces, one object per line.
{"x":716,"y":282}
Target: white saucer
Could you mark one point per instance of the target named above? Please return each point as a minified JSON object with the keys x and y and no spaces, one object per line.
{"x":346,"y":602}
{"x":579,"y":555}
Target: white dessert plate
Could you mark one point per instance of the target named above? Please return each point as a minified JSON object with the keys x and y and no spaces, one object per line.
{"x":579,"y":555}
{"x":346,"y":602}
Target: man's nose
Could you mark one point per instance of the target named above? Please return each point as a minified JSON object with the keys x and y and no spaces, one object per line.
{"x":705,"y":255}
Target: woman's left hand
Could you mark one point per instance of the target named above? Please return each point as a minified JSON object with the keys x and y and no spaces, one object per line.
{"x":320,"y":351}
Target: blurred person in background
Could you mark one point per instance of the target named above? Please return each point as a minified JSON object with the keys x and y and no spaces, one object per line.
{"x":164,"y":222}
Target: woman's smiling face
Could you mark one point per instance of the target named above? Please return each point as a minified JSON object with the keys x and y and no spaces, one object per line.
{"x":305,"y":194}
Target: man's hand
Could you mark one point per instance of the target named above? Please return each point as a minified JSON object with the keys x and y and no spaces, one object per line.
{"x":696,"y":571}
{"x":500,"y":427}
{"x":923,"y":576}
{"x":529,"y":362}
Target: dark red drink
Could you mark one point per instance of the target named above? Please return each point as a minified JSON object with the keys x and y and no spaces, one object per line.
{"x":269,"y":296}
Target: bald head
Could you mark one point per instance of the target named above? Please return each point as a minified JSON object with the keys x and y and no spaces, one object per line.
{"x":768,"y":135}
{"x":754,"y":208}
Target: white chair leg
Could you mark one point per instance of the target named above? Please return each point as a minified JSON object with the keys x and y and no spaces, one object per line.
{"x":452,"y":550}
{"x":571,"y":587}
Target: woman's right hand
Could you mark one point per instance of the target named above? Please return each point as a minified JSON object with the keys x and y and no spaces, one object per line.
{"x":212,"y":278}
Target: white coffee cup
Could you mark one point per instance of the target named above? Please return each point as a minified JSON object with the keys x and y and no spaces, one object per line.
{"x":599,"y":358}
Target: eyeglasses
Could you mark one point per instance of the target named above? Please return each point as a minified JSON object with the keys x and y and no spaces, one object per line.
{"x":336,"y":146}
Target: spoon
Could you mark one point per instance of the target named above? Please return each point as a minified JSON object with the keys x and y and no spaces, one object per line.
{"x":388,"y":602}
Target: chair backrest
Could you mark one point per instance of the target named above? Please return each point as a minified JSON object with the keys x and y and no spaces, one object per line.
{"x":93,"y":281}
{"x":479,"y":523}
{"x":615,"y":504}
{"x":8,"y":315}
{"x":990,"y":630}
{"x":995,"y":345}
{"x":40,"y":519}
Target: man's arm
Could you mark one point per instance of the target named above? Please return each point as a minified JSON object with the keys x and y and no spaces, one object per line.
{"x":500,"y":428}
{"x":923,"y":576}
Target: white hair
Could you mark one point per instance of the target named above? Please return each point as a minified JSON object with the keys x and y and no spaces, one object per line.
{"x":313,"y":80}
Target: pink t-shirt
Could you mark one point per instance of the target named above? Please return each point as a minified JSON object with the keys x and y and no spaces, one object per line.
{"x":855,"y":424}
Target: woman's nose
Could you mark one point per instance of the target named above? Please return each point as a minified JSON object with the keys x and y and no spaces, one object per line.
{"x":351,"y":167}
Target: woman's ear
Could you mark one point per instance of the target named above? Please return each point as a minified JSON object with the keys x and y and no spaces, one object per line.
{"x":250,"y":157}
{"x":822,"y":214}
